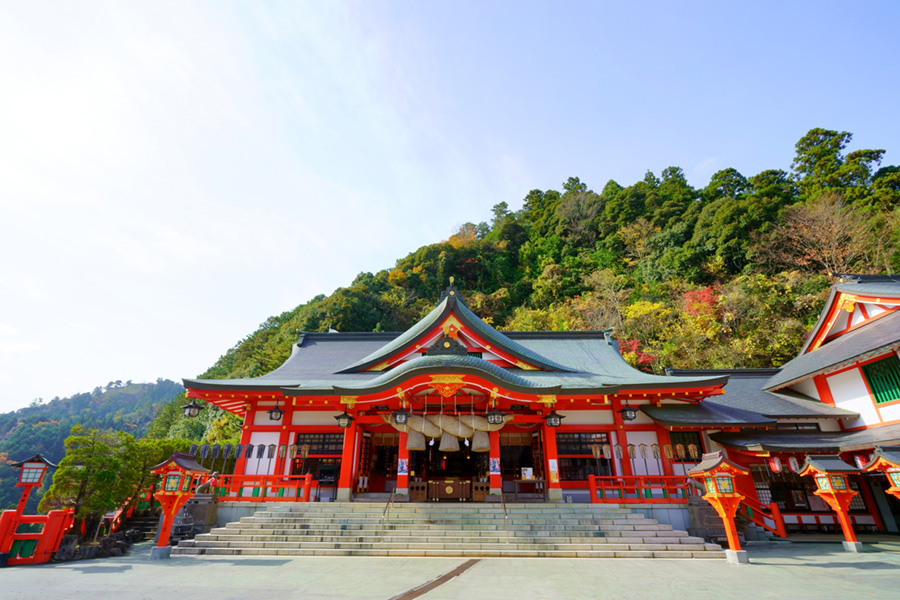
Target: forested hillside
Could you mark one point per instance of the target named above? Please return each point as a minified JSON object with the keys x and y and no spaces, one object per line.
{"x":733,"y":274}
{"x":43,"y":427}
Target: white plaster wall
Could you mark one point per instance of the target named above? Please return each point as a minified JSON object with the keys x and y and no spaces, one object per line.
{"x":261,"y":466}
{"x":857,"y":316}
{"x":587,"y":417}
{"x":261,"y":417}
{"x":849,"y":391}
{"x":314,"y":417}
{"x":890,"y":413}
{"x":613,"y":440}
{"x":840,"y":323}
{"x":652,"y":466}
{"x":807,"y":388}
{"x":873,"y":310}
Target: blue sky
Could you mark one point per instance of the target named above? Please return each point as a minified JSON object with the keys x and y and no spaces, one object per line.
{"x":172,"y":173}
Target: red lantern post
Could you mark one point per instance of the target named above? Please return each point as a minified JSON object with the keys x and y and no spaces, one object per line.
{"x":830,"y":474}
{"x":180,"y":477}
{"x":887,"y":460}
{"x":717,"y":475}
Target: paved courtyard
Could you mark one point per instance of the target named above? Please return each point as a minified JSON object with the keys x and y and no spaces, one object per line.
{"x":778,"y":570}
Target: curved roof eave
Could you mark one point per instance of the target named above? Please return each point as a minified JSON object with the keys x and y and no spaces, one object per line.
{"x":435,"y":365}
{"x":232,"y":384}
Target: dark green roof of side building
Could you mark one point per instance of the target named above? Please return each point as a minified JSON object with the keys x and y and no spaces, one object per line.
{"x":745,"y":392}
{"x":810,"y":441}
{"x":874,"y":336}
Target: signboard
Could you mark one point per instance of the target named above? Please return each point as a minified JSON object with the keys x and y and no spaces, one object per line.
{"x":597,"y":451}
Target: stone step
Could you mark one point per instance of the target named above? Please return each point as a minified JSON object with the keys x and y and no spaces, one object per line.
{"x":341,"y":529}
{"x":708,"y":554}
{"x":386,"y":545}
{"x":607,"y":529}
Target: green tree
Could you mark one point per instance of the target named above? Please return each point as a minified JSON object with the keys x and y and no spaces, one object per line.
{"x":94,"y":477}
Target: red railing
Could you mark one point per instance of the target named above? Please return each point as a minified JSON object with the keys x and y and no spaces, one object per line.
{"x":265,"y":488}
{"x":770,"y":520}
{"x":640,"y":489}
{"x":37,"y":547}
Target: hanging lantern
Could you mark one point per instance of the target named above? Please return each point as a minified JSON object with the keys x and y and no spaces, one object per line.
{"x":400,"y":417}
{"x":794,"y":464}
{"x":191,"y":410}
{"x":276,"y":413}
{"x":415,"y":440}
{"x":628,"y":412}
{"x":495,"y":417}
{"x":344,"y":420}
{"x":775,"y":464}
{"x":449,"y":443}
{"x":553,"y":419}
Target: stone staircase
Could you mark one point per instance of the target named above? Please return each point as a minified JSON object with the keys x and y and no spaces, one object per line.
{"x":147,"y":525}
{"x":429,"y":529}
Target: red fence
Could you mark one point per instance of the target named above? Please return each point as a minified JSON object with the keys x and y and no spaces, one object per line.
{"x":768,"y":518}
{"x":265,"y":488}
{"x":35,"y":546}
{"x":640,"y":489}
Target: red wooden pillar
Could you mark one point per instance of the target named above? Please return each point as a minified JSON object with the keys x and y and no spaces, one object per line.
{"x":402,"y":465}
{"x":246,"y":432}
{"x":551,"y":463}
{"x":284,"y":440}
{"x":663,"y":437}
{"x":345,"y":483}
{"x":621,"y":438}
{"x":494,"y":462}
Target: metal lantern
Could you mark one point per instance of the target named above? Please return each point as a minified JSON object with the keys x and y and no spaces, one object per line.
{"x":553,"y":419}
{"x":628,"y":412}
{"x":344,"y":420}
{"x":276,"y":413}
{"x":191,"y":410}
{"x":400,"y":416}
{"x":495,"y":417}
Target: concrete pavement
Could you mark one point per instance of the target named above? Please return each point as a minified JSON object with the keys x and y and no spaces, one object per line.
{"x":777,"y":570}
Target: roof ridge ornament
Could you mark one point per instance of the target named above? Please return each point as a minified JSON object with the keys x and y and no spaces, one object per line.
{"x":447,"y":345}
{"x":452,"y":291}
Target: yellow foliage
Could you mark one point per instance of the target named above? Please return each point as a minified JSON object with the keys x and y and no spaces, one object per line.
{"x":644,"y":308}
{"x":397,"y":277}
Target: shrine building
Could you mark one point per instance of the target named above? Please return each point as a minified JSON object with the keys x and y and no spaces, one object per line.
{"x":453,"y":409}
{"x":453,"y":399}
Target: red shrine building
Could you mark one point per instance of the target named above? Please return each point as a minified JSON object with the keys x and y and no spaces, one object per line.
{"x":453,"y":409}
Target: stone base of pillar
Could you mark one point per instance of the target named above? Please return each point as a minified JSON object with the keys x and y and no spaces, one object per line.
{"x":737,"y":557}
{"x":495,"y":491}
{"x":554,"y":495}
{"x":343,"y":495}
{"x":853,"y":546}
{"x":160,"y":552}
{"x":404,"y":491}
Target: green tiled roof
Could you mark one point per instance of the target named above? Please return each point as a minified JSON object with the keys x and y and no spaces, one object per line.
{"x":453,"y":304}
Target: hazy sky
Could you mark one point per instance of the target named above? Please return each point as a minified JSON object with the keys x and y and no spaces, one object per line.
{"x":173,"y":173}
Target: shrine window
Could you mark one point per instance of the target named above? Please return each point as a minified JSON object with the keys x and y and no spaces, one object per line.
{"x":322,"y":443}
{"x":576,"y":455}
{"x":883,"y":377}
{"x":687,"y":446}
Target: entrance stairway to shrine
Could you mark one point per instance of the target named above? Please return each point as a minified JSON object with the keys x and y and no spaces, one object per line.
{"x":444,"y":529}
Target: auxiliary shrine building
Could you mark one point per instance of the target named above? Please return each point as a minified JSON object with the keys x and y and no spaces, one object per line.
{"x":453,"y":409}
